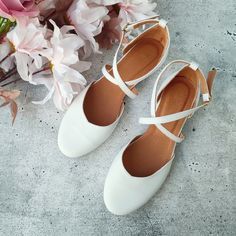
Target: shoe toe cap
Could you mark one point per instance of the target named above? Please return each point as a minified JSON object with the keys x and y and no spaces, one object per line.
{"x":124,"y":193}
{"x":116,"y":205}
{"x":72,"y":142}
{"x":120,"y":195}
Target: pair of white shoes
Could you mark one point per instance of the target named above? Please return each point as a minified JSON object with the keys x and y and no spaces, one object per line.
{"x":142,"y":166}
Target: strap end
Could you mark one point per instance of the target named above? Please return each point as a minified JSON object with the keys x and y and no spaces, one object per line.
{"x":210,"y":79}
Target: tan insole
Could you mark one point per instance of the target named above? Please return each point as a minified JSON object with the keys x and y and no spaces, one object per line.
{"x":103,"y":102}
{"x":152,"y":150}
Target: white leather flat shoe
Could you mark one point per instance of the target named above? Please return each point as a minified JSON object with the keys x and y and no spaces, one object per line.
{"x":94,"y":114}
{"x":142,"y":166}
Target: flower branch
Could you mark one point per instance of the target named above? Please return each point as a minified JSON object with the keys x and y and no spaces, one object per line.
{"x":45,"y":42}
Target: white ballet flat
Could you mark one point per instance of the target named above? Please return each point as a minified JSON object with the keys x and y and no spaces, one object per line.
{"x":142,"y":166}
{"x":94,"y":114}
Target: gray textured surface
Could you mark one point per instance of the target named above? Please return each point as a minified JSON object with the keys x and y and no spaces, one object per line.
{"x":44,"y":193}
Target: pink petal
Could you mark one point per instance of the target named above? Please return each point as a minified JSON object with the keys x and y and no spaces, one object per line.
{"x":13,"y":4}
{"x":3,"y":7}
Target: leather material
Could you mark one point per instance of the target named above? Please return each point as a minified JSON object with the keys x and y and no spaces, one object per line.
{"x":142,"y":166}
{"x":210,"y":79}
{"x":117,"y":78}
{"x":76,"y":136}
{"x":204,"y":89}
{"x":124,"y":193}
{"x":94,"y":114}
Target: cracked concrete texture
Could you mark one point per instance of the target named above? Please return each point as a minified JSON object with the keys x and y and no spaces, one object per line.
{"x":44,"y":193}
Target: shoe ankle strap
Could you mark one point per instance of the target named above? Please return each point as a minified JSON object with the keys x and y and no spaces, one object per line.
{"x":151,"y":20}
{"x":128,"y":87}
{"x":205,"y":89}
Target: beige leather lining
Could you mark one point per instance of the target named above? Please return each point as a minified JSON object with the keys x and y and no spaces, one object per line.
{"x":152,"y":150}
{"x":104,"y":100}
{"x":155,"y":32}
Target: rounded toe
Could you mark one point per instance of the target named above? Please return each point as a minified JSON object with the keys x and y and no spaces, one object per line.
{"x":116,"y":205}
{"x":73,"y":143}
{"x":119,"y":198}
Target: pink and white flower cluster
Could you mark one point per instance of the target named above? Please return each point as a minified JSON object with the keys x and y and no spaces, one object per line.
{"x":51,"y":39}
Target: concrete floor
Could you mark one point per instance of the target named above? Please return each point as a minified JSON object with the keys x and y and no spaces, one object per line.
{"x":44,"y":193}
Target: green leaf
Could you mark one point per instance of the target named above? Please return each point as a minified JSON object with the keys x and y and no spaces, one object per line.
{"x":6,"y":25}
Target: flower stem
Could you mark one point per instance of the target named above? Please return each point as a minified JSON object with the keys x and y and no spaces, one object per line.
{"x":4,"y":58}
{"x":8,"y":74}
{"x":44,"y":69}
{"x":10,"y":82}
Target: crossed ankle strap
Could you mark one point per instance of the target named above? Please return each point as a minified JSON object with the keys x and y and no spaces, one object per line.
{"x":128,"y":87}
{"x":205,"y":90}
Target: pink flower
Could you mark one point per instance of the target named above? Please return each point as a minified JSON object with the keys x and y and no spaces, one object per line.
{"x":135,"y":10}
{"x":64,"y":79}
{"x":111,"y":32}
{"x":54,"y":9}
{"x":29,"y":44}
{"x":88,"y":22}
{"x":13,"y":9}
{"x":104,"y":2}
{"x":46,"y":6}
